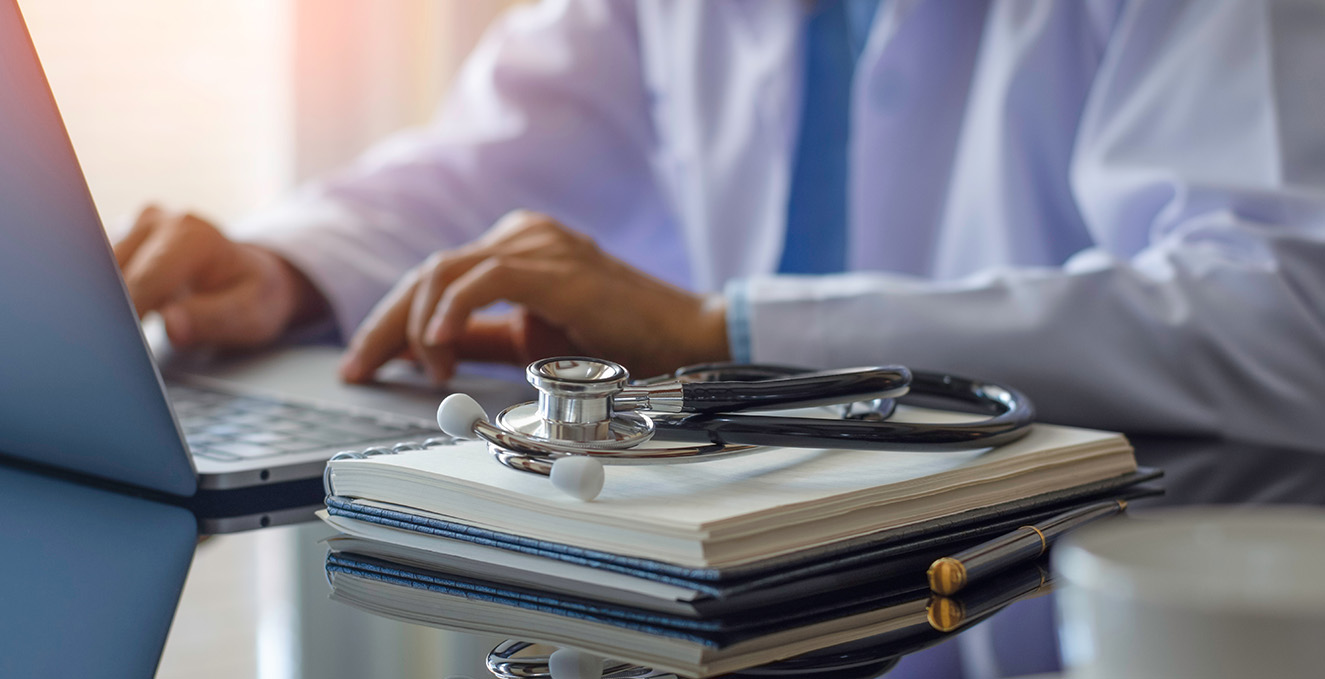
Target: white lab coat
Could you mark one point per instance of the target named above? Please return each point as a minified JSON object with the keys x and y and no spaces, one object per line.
{"x":1117,"y":206}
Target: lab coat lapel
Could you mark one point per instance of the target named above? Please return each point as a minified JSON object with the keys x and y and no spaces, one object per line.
{"x":727,"y":80}
{"x":908,"y":99}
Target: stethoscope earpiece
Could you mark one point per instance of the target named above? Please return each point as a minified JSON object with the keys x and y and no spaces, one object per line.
{"x":457,"y":415}
{"x":578,"y":477}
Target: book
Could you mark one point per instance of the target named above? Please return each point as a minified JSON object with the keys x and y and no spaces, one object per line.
{"x":725,"y":515}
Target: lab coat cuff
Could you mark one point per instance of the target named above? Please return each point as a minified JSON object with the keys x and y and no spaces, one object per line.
{"x":820,"y":321}
{"x":308,"y":237}
{"x":738,"y":320}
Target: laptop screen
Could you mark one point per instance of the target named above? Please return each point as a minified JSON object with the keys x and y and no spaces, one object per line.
{"x":79,"y":390}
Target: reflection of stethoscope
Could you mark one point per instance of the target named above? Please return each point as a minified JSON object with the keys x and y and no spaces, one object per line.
{"x":514,"y":659}
{"x":588,"y":414}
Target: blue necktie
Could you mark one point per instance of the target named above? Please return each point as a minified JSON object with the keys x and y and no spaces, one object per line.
{"x":816,"y":238}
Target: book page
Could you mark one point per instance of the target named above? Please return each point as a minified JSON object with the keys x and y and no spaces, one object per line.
{"x":686,"y":497}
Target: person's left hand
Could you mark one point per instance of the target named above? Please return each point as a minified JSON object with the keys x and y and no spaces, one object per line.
{"x":570,"y":298}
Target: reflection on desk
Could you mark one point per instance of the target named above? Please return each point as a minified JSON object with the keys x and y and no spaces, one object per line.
{"x":859,"y":628}
{"x":90,"y":578}
{"x":98,"y":573}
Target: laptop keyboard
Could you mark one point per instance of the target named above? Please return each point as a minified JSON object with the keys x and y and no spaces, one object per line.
{"x":228,"y":427}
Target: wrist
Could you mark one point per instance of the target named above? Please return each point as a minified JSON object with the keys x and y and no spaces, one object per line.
{"x":295,"y":300}
{"x":711,"y":344}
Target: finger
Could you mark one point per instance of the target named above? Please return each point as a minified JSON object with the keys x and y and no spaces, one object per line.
{"x":491,"y":339}
{"x":230,"y":318}
{"x":143,"y":224}
{"x":526,"y":282}
{"x":168,"y":261}
{"x":381,"y":336}
{"x":518,"y":337}
{"x":536,"y":338}
{"x":440,"y":270}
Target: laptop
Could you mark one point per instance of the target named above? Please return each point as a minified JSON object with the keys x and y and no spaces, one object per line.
{"x":80,"y":390}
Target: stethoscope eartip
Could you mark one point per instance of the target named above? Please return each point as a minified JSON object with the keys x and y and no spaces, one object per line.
{"x":577,"y":476}
{"x":458,"y":414}
{"x":568,"y":663}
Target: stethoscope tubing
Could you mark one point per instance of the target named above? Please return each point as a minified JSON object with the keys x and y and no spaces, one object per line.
{"x":1011,"y":413}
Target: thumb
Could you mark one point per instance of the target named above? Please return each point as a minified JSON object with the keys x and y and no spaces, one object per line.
{"x":517,"y":336}
{"x":226,"y":318}
{"x":535,"y":338}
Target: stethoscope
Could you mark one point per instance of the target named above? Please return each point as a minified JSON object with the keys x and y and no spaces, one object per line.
{"x":589,"y":414}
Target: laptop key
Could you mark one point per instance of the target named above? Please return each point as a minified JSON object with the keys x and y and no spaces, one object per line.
{"x":321,"y":418}
{"x":327,"y":436}
{"x":221,"y":430}
{"x":211,"y":453}
{"x":283,"y":426}
{"x":244,"y":450}
{"x":248,"y":419}
{"x":364,"y":430}
{"x":262,"y":438}
{"x":295,"y":445}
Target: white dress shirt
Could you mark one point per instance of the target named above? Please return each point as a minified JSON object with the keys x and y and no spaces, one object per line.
{"x":1118,"y":207}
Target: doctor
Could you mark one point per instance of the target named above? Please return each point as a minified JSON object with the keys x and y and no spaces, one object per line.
{"x":1117,"y":206}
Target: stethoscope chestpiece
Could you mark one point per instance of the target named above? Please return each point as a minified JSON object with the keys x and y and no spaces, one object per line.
{"x":576,"y":406}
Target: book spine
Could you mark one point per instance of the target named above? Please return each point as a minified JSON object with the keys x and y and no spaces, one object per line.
{"x":402,"y":447}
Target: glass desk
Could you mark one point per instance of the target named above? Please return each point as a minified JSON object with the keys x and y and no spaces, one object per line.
{"x":92,"y":580}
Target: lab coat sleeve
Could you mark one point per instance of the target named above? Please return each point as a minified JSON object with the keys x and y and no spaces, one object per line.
{"x":548,"y":114}
{"x":1200,"y":170}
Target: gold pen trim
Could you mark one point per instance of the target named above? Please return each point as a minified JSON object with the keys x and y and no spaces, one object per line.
{"x":1044,"y":544}
{"x":946,"y":576}
{"x":944,"y":614}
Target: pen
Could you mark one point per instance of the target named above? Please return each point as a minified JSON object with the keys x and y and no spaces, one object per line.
{"x":948,"y":575}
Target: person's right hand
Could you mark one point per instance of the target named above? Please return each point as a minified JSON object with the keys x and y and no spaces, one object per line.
{"x":208,"y":289}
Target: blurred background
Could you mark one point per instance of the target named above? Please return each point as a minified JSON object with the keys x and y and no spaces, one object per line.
{"x":219,"y":108}
{"x":222,"y":106}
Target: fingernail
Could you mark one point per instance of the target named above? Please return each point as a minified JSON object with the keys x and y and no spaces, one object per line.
{"x":351,"y":369}
{"x":434,"y":375}
{"x":177,"y":325}
{"x":435,"y":333}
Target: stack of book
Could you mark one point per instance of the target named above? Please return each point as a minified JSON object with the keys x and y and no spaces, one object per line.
{"x":699,"y":568}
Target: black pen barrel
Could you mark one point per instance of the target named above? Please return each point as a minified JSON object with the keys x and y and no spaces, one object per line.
{"x":950,"y":574}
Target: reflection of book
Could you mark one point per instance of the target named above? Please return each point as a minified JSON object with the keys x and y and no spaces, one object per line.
{"x":858,"y":624}
{"x":707,"y":520}
{"x":690,"y":647}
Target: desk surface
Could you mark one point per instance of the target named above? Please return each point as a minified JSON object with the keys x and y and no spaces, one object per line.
{"x":104,"y":571}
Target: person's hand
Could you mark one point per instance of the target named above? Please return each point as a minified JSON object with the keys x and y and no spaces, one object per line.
{"x":570,"y":297}
{"x":208,"y":289}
